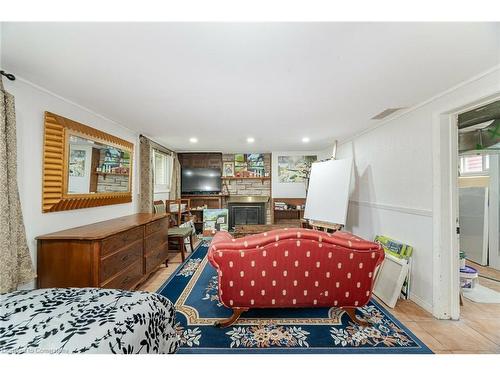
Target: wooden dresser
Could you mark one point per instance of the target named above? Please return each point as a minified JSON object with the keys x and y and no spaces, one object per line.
{"x":118,"y":253}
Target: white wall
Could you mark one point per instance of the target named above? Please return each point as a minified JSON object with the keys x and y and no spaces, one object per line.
{"x":31,"y":102}
{"x":1,"y":27}
{"x":325,"y":153}
{"x":288,"y":190}
{"x":393,"y":168}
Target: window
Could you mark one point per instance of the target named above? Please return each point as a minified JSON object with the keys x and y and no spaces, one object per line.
{"x":162,"y":171}
{"x":474,"y":164}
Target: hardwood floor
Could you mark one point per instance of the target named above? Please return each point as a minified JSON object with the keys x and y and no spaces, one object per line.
{"x":477,"y":332}
{"x":157,"y":278}
{"x":474,"y":333}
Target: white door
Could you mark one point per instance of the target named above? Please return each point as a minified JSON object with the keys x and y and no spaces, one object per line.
{"x":494,"y":212}
{"x":473,"y":203}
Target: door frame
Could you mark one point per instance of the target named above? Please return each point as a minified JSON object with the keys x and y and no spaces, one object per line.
{"x":494,"y":219}
{"x":446,"y":277}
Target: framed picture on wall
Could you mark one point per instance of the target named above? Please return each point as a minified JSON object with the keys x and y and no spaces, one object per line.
{"x":240,"y":165}
{"x":294,"y":169}
{"x":255,"y":164}
{"x":228,"y":169}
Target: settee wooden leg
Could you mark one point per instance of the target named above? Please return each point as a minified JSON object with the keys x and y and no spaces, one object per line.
{"x":233,"y":318}
{"x":351,"y":311}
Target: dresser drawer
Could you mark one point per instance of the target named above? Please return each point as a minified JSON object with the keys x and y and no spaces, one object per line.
{"x":127,"y":279}
{"x":155,"y":240}
{"x":156,"y":225}
{"x":120,"y":240}
{"x":156,"y":257}
{"x":116,"y":262}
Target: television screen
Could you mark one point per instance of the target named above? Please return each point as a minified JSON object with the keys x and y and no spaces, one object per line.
{"x":200,"y":180}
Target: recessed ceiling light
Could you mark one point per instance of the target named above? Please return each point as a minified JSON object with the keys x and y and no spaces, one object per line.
{"x":250,"y":140}
{"x":193,"y":140}
{"x":305,"y":139}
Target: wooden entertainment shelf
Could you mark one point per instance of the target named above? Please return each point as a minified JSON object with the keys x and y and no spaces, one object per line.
{"x":290,"y":216}
{"x":198,"y":200}
{"x":247,"y":178}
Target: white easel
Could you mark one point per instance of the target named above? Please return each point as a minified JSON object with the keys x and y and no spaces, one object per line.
{"x":328,"y":193}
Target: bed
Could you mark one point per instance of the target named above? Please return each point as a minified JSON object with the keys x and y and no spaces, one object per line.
{"x":86,"y":320}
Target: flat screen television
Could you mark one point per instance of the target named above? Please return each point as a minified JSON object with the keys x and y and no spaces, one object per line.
{"x":201,"y":180}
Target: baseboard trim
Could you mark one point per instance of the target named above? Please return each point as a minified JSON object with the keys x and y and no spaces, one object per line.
{"x":419,"y":301}
{"x":388,"y":207}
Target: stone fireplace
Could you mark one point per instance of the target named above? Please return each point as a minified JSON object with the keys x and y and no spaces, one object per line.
{"x":248,"y":187}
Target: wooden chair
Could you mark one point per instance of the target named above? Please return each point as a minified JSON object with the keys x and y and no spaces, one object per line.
{"x":159,"y":207}
{"x":175,"y":233}
{"x":178,"y":212}
{"x":178,"y":235}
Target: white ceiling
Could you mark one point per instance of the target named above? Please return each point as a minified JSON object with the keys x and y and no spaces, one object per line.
{"x":223,"y":82}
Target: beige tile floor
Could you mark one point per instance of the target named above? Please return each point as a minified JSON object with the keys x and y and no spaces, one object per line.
{"x":477,"y":332}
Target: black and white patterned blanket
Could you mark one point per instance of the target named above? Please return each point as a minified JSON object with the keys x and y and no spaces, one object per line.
{"x":87,"y":320}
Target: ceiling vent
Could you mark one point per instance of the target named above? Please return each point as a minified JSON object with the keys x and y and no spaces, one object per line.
{"x":386,"y":112}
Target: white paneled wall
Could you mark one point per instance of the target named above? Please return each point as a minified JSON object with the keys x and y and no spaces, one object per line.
{"x":393,"y":177}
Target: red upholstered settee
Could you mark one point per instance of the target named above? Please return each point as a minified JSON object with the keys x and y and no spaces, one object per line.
{"x":294,"y":268}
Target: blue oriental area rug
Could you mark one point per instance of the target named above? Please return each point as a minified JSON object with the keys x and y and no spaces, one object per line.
{"x":193,"y":290}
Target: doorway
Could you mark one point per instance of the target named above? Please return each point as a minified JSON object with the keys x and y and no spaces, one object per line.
{"x":478,"y":187}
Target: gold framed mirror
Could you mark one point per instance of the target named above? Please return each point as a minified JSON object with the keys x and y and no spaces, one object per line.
{"x":83,"y":167}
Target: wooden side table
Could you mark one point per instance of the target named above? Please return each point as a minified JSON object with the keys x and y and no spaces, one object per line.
{"x":245,"y":230}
